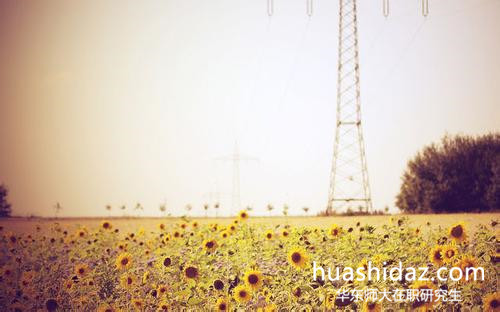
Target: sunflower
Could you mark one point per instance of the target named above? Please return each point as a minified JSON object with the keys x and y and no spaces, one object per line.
{"x":298,"y":258}
{"x":270,"y":308}
{"x":222,"y":304}
{"x":371,"y":306}
{"x":191,"y":272}
{"x":127,"y":281}
{"x":231,"y":228}
{"x":242,"y":294}
{"x":210,"y":245}
{"x":466,"y":263}
{"x":436,"y":255}
{"x":236,"y":221}
{"x":363,"y":264}
{"x":106,"y":307}
{"x":106,"y":225}
{"x":449,"y":253}
{"x":423,"y":304}
{"x":81,"y":270}
{"x":163,"y":307}
{"x":194,"y":225}
{"x":81,"y":233}
{"x":27,"y":278}
{"x":69,"y":285}
{"x":243,"y":215}
{"x":138,"y":304}
{"x":162,"y":290}
{"x":177,"y":234}
{"x":335,"y":231}
{"x":161,"y":226}
{"x":122,"y":246}
{"x":285,"y":233}
{"x":253,"y":279}
{"x":166,"y":238}
{"x":457,"y":232}
{"x":124,"y":261}
{"x":491,"y":303}
{"x":224,"y":234}
{"x":11,"y":238}
{"x":166,"y":262}
{"x":269,"y":234}
{"x":183,"y":225}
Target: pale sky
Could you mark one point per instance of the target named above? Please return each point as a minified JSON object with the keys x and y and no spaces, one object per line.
{"x":117,"y":102}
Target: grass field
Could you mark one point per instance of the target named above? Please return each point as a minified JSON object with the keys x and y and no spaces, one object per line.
{"x":247,"y":263}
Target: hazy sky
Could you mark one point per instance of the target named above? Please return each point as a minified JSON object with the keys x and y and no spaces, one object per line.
{"x":118,"y":102}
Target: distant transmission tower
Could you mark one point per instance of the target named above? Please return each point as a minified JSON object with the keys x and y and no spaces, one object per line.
{"x":349,"y":186}
{"x":236,"y":158}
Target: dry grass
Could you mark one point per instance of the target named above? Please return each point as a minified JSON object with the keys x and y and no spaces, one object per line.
{"x":24,"y":225}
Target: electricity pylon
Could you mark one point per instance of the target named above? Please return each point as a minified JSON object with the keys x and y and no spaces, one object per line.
{"x":236,"y":158}
{"x":349,"y":186}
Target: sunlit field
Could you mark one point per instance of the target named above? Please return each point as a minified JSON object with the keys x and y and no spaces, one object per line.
{"x":241,"y":263}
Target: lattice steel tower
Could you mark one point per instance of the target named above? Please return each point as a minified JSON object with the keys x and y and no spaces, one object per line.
{"x":349,"y":186}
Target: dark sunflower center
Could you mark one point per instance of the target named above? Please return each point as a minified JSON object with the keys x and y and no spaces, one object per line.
{"x":105,"y":225}
{"x":243,"y":293}
{"x":494,"y":303}
{"x":243,"y":215}
{"x":81,"y":270}
{"x":218,"y":284}
{"x":167,"y":262}
{"x":13,"y":239}
{"x":209,"y":244}
{"x":335,"y":232}
{"x":269,"y":235}
{"x":457,"y":231}
{"x":222,"y":307}
{"x":450,"y":253}
{"x":297,"y":292}
{"x":51,"y":305}
{"x":129,"y":280}
{"x":253,"y":279}
{"x":191,"y":272}
{"x":124,"y":261}
{"x":437,"y":255}
{"x":296,"y":257}
{"x":371,"y":305}
{"x":285,"y":233}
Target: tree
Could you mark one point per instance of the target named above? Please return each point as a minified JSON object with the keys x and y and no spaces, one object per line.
{"x":270,"y":208}
{"x":163,"y":209}
{"x":205,"y":207}
{"x":58,"y":207}
{"x":461,"y":174}
{"x":216,"y":207}
{"x":188,"y":208}
{"x":5,"y":207}
{"x":306,"y":209}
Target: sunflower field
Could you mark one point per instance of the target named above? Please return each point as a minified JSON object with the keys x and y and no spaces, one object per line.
{"x":187,"y":266}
